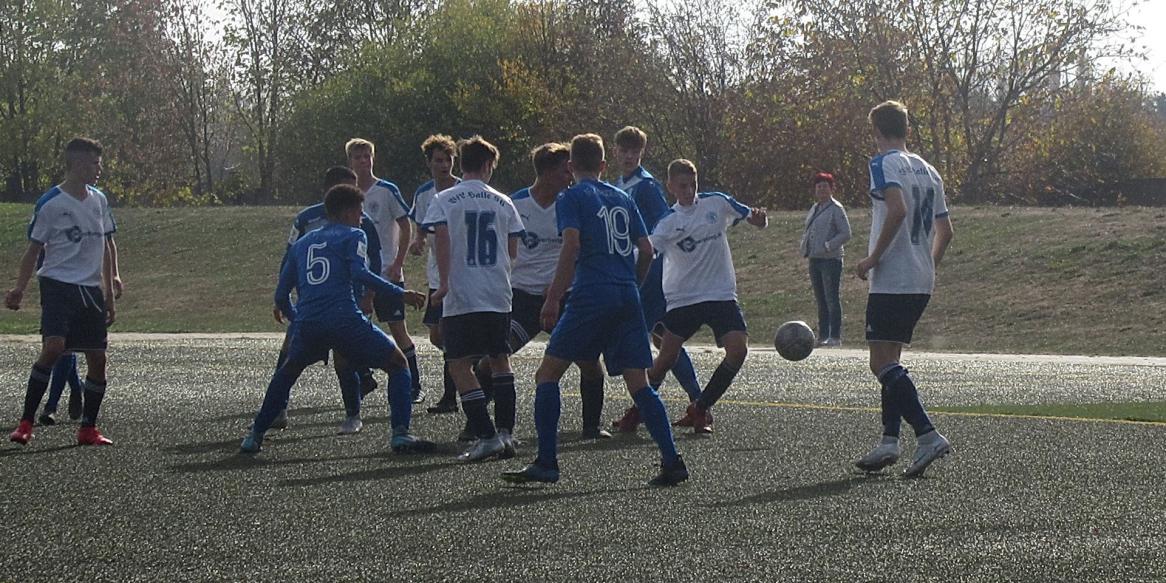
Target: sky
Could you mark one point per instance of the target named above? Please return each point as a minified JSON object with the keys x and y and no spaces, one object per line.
{"x":1151,"y":16}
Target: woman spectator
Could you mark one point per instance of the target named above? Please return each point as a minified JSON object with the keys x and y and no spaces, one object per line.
{"x":827,"y":230}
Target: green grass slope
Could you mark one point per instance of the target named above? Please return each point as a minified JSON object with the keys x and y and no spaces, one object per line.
{"x":1082,"y":281}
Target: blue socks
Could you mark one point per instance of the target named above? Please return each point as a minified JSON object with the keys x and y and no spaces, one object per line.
{"x":903,"y":396}
{"x":547,"y":408}
{"x":400,"y":398}
{"x":685,"y":374}
{"x":655,"y":419}
{"x":349,"y":389}
{"x":64,"y":371}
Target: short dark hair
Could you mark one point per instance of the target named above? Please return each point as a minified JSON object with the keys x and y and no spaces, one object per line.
{"x":438,"y":143}
{"x":81,"y":145}
{"x":547,"y":156}
{"x":822,"y":177}
{"x":340,"y":198}
{"x":587,"y":153}
{"x":338,"y":175}
{"x":631,"y":137}
{"x":476,"y":154}
{"x":890,"y":119}
{"x":681,"y":166}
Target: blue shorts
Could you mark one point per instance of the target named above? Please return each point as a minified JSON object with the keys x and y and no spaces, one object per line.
{"x":652,"y":293}
{"x":605,"y":320}
{"x":358,"y":339}
{"x":73,"y":312}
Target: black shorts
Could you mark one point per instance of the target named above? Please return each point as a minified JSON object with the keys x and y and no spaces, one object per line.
{"x":525,"y":317}
{"x":389,"y":308}
{"x":75,"y":313}
{"x":723,"y":317}
{"x":476,"y":334}
{"x":432,"y":315}
{"x":892,"y":317}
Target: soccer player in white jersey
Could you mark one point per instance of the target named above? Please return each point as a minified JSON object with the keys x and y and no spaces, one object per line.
{"x":71,"y":225}
{"x":534,"y":271}
{"x":476,"y":238}
{"x":440,"y":151}
{"x":700,"y":285}
{"x":648,"y":195}
{"x":386,"y":206}
{"x":910,"y":232}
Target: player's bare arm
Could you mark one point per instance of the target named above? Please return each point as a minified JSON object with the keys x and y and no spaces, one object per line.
{"x":441,"y":250}
{"x":27,"y":265}
{"x":395,"y":271}
{"x":414,"y":298}
{"x":118,"y":285}
{"x":564,"y":274}
{"x":107,"y":284}
{"x":644,"y":260}
{"x":758,"y":217}
{"x":896,"y":213}
{"x":943,"y":237}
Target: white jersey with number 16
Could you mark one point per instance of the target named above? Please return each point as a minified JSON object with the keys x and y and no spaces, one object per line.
{"x":906,"y":267}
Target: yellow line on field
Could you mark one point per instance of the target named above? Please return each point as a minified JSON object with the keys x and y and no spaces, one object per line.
{"x":852,"y":408}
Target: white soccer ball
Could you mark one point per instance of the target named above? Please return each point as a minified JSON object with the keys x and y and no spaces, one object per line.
{"x":794,"y":340}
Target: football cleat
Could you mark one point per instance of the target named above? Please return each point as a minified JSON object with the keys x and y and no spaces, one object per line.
{"x":418,"y":395}
{"x":702,"y":419}
{"x":670,"y":474}
{"x":23,"y":433}
{"x":280,"y":421}
{"x":405,"y":442}
{"x":91,"y":436}
{"x":884,"y":454}
{"x":368,"y":385}
{"x":482,"y":449}
{"x":534,"y":472}
{"x":509,"y":444}
{"x":253,"y":443}
{"x":443,"y":406}
{"x":596,"y":433}
{"x":927,"y":452}
{"x":629,"y":421}
{"x":47,"y":418}
{"x":351,"y":425}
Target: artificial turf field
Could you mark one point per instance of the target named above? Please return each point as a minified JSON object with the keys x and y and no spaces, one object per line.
{"x":772,"y":496}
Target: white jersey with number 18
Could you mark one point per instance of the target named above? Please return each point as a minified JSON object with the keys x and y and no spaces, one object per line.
{"x":906,"y":267}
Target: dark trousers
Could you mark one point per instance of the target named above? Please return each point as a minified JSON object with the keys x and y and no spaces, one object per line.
{"x":826,"y":276}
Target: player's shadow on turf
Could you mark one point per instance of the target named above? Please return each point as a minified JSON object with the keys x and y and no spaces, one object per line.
{"x":292,"y":413}
{"x":513,"y":497}
{"x":385,"y":473}
{"x":806,"y":492}
{"x":229,"y":446}
{"x":37,"y":451}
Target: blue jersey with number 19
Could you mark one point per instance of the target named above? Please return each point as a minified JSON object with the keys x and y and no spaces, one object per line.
{"x":322,"y":267}
{"x":609,"y":226}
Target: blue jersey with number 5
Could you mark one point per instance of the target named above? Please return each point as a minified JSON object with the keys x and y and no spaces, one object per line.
{"x":322,"y":267}
{"x":609,"y":226}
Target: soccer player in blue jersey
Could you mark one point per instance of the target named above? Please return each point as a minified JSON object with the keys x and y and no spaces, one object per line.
{"x":476,"y":239}
{"x":389,"y":212}
{"x":700,"y":284}
{"x":70,"y":226}
{"x":440,"y":151}
{"x":601,"y":227}
{"x":648,"y":195}
{"x":354,"y":383}
{"x":910,"y":232}
{"x":322,"y":268}
{"x":534,"y":270}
